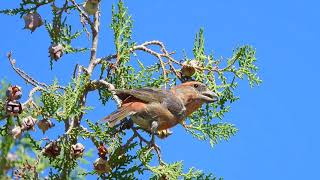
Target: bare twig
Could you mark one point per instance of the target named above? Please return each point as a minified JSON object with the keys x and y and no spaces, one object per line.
{"x":98,"y":84}
{"x":152,"y":145}
{"x":144,"y":48}
{"x":22,"y":74}
{"x":95,"y":39}
{"x":75,"y":70}
{"x":129,"y":141}
{"x":232,"y":61}
{"x":164,"y":53}
{"x":100,"y":60}
{"x":27,"y":77}
{"x":30,"y":97}
{"x":80,"y":69}
{"x":171,"y":61}
{"x":82,"y":12}
{"x":142,"y":139}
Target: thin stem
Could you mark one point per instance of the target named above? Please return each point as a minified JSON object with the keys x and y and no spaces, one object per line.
{"x":22,"y":74}
{"x":30,"y":97}
{"x":98,"y":84}
{"x":95,"y":39}
{"x":151,"y":144}
{"x":82,"y":12}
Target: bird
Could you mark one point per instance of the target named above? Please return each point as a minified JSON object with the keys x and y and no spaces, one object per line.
{"x":160,"y":109}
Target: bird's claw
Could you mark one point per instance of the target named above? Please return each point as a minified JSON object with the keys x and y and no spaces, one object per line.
{"x":164,"y":133}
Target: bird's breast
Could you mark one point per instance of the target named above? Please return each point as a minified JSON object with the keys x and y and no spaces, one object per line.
{"x":155,"y":112}
{"x":193,"y":106}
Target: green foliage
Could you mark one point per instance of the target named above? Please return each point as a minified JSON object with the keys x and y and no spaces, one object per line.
{"x":5,"y":146}
{"x":119,"y":157}
{"x":66,"y":105}
{"x":3,"y":89}
{"x":175,"y":171}
{"x":51,"y":102}
{"x":26,"y":6}
{"x":122,"y":25}
{"x":60,"y":32}
{"x":26,"y":147}
{"x":122,"y":30}
{"x":171,"y":171}
{"x":6,"y":139}
{"x":223,"y":81}
{"x":72,"y":99}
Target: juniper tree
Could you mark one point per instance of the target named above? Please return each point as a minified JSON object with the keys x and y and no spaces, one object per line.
{"x":124,"y":151}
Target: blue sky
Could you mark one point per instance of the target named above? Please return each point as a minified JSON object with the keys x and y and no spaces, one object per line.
{"x":278,"y":120}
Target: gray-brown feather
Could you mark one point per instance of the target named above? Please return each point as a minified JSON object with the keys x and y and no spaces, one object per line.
{"x":152,"y":95}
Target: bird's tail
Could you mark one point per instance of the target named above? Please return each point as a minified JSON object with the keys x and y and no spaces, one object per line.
{"x":117,"y":116}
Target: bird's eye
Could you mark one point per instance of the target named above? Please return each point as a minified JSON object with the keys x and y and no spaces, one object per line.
{"x":196,"y":85}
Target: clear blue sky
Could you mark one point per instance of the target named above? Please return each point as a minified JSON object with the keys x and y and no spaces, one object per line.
{"x":278,"y":121}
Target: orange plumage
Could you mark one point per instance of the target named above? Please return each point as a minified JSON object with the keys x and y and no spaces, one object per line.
{"x":159,"y":109}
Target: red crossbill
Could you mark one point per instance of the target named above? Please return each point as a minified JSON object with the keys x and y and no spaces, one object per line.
{"x":158,"y":109}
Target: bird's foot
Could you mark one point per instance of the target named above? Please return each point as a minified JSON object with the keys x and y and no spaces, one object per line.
{"x":164,"y":133}
{"x":153,"y":145}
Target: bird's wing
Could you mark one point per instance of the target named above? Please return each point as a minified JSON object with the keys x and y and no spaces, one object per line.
{"x":152,"y":95}
{"x":147,"y":95}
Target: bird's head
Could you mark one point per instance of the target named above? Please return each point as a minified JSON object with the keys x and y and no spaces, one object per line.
{"x":195,"y":91}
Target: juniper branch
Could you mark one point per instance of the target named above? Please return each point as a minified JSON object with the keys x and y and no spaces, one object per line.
{"x":98,"y":84}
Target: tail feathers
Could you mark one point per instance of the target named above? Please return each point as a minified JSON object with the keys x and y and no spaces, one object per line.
{"x":117,"y":116}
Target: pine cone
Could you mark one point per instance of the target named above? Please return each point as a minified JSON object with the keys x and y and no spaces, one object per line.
{"x":103,"y":151}
{"x":18,"y":173}
{"x":13,"y":108}
{"x":32,"y":21}
{"x":13,"y":93}
{"x":101,"y":166}
{"x":44,"y":125}
{"x":55,"y":51}
{"x":189,"y":68}
{"x":77,"y":150}
{"x":28,"y":123}
{"x":52,"y":150}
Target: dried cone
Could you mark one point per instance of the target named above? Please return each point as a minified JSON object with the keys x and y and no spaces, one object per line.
{"x":44,"y":125}
{"x":91,"y":6}
{"x":18,"y":173}
{"x":13,"y":93}
{"x":52,"y":150}
{"x":163,"y":177}
{"x":28,"y":123}
{"x":16,"y":132}
{"x":56,"y":51}
{"x":103,"y":151}
{"x":13,"y":108}
{"x":101,"y":166}
{"x":77,"y":150}
{"x":32,"y":21}
{"x":189,"y":68}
